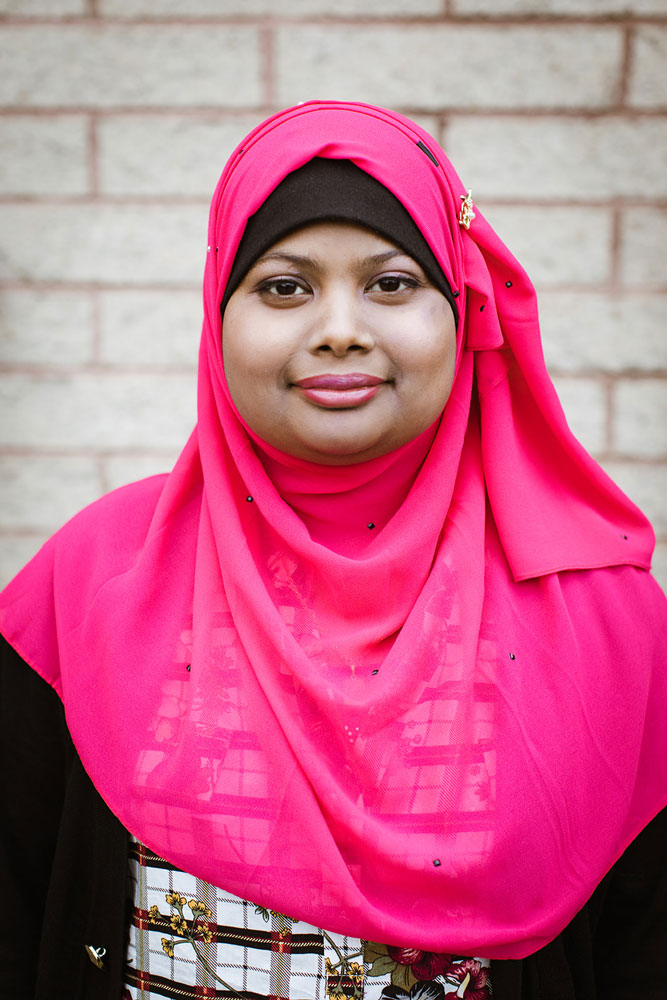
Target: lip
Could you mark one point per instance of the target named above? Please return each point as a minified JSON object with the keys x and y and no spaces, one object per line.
{"x":353,"y":380}
{"x":340,"y":392}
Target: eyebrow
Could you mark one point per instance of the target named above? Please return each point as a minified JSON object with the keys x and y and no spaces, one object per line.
{"x":313,"y":264}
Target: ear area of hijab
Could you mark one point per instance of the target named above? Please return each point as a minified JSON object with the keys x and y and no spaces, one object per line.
{"x":483,"y":330}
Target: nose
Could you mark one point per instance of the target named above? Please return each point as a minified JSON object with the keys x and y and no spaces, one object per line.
{"x":340,"y":324}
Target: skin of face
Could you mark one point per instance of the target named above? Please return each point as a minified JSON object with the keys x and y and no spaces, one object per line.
{"x":337,"y":348}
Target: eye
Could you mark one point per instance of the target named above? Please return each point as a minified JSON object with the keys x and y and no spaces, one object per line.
{"x":393,"y":284}
{"x":284,"y":288}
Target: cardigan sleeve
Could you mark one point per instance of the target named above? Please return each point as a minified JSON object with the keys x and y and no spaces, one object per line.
{"x":631,"y":934}
{"x":37,"y":754}
{"x":63,"y":854}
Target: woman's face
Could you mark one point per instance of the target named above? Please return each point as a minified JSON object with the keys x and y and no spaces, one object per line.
{"x":336,"y":347}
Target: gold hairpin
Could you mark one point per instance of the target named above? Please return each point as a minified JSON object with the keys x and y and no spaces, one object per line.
{"x":466,"y":215}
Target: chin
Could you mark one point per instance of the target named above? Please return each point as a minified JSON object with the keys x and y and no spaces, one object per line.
{"x":345,"y":453}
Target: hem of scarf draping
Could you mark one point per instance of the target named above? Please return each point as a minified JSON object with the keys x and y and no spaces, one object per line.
{"x":572,"y":567}
{"x":626,"y":842}
{"x":534,"y":933}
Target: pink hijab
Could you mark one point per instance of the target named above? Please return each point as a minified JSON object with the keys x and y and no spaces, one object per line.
{"x":441,"y":733}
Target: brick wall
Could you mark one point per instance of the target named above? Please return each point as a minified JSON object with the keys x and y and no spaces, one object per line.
{"x":117,"y":116}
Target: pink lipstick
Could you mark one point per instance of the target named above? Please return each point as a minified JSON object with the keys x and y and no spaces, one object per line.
{"x":340,"y":392}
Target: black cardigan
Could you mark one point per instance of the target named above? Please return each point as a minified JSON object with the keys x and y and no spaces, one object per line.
{"x":64,"y":882}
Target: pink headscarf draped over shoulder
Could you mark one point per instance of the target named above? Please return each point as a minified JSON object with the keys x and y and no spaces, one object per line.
{"x":440,"y":737}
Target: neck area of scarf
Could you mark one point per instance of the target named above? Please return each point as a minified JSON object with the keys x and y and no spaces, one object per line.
{"x":346,"y":508}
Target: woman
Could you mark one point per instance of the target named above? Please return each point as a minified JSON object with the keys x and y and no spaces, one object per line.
{"x":380,"y":659}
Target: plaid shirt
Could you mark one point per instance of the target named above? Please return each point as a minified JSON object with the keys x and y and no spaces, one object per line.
{"x":191,"y":940}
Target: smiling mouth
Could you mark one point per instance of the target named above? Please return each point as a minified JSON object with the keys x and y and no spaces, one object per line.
{"x":340,"y":392}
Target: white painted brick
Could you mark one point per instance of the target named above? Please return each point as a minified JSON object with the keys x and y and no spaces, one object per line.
{"x":640,"y":417}
{"x":594,"y":331}
{"x":560,"y":157}
{"x":97,"y":411}
{"x":584,"y":403}
{"x":104,"y":243}
{"x":450,"y":66}
{"x":648,"y":80}
{"x":158,"y":329}
{"x":252,"y":8}
{"x":578,"y":8}
{"x":559,"y":245}
{"x":44,"y":156}
{"x":430,"y":123}
{"x":643,"y":254}
{"x":659,"y":568}
{"x":16,"y":550}
{"x":166,"y":155}
{"x":646,"y":485}
{"x":142,"y":65}
{"x":121,"y":469}
{"x":41,"y":8}
{"x":53,"y":328}
{"x":42,"y":493}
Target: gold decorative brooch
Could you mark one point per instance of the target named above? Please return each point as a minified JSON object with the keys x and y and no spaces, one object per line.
{"x":466,"y":215}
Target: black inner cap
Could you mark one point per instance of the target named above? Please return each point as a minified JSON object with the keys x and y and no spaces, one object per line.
{"x":328,"y":191}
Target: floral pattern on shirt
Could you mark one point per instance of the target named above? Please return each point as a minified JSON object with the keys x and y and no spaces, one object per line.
{"x":411,"y":973}
{"x":189,"y":930}
{"x":426,"y":975}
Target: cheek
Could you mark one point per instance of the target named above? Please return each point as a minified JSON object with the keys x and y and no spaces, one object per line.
{"x":253,"y":375}
{"x":239,"y":360}
{"x":242,"y":350}
{"x":437,"y":374}
{"x":437,"y":385}
{"x":432,"y":357}
{"x":255,"y":344}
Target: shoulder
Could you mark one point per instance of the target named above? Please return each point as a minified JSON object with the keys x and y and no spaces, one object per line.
{"x":100,"y":542}
{"x":109,"y":532}
{"x":619,"y":602}
{"x":131,"y":506}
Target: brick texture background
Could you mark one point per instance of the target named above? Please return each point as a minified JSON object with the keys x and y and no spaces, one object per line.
{"x":116,"y":117}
